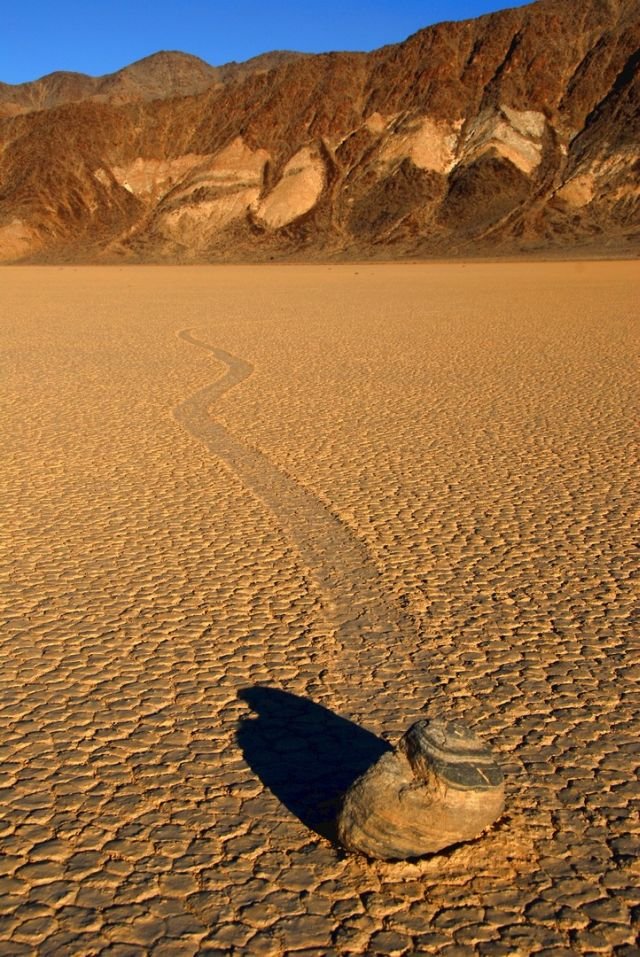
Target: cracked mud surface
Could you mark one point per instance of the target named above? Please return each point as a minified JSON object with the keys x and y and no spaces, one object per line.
{"x":239,"y":558}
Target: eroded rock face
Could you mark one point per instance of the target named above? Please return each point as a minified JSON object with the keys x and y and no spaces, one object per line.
{"x":147,"y":177}
{"x":214,"y":194}
{"x":440,"y":786}
{"x":429,"y":144}
{"x":16,"y":240}
{"x":516,"y":135}
{"x":296,"y":193}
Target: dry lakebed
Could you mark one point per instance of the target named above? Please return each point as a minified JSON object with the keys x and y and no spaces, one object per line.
{"x":256,"y":522}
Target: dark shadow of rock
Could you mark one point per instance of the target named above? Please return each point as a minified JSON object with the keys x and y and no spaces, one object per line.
{"x":305,"y":754}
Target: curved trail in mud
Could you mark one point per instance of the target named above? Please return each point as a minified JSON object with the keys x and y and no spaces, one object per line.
{"x":371,"y":629}
{"x":375,"y":637}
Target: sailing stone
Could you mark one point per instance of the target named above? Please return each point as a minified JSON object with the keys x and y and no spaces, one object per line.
{"x":440,"y":786}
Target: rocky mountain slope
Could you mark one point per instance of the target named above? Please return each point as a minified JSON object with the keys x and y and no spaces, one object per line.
{"x":517,"y":131}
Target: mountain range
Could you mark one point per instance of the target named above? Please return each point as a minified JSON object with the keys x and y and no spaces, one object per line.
{"x":514,"y":133}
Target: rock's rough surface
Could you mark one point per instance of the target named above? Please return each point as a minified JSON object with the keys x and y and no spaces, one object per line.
{"x":440,"y":786}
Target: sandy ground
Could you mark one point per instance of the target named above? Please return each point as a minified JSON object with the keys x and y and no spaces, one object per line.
{"x":256,"y":518}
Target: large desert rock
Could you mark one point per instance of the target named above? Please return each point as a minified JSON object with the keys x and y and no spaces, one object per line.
{"x":439,"y":787}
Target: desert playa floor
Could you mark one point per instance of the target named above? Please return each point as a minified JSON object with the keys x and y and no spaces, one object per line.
{"x":257,"y":518}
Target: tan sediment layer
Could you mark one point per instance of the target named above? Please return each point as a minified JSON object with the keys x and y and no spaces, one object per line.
{"x":420,"y":501}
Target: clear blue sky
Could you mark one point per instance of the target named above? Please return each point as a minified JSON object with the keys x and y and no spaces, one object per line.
{"x":100,"y":36}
